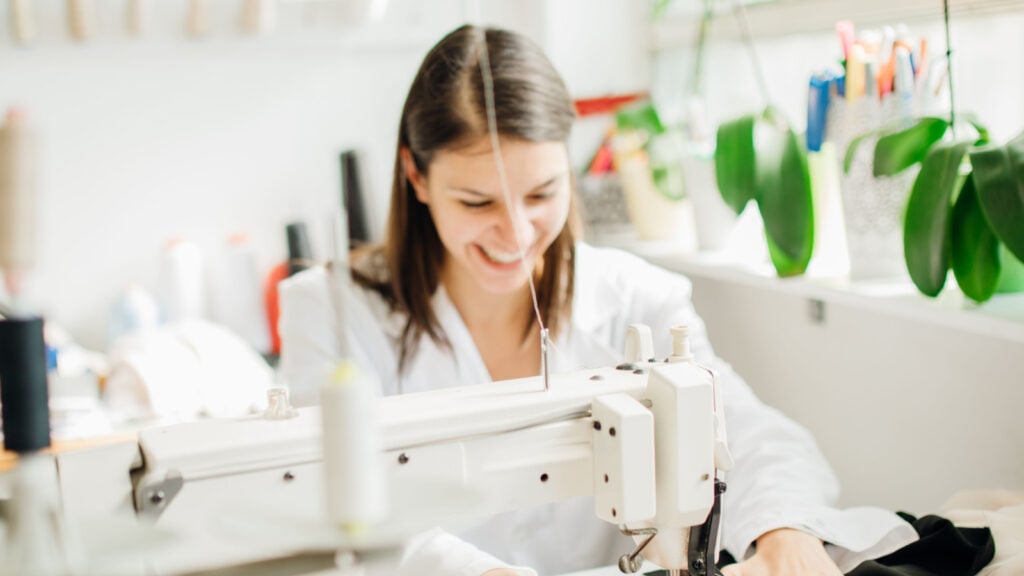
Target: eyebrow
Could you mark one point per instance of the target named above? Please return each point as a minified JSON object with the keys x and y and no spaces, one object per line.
{"x":544,"y":184}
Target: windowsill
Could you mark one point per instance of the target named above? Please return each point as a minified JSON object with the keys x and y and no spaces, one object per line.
{"x":1002,"y":316}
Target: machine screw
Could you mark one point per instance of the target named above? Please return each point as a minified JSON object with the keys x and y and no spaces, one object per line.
{"x":597,"y":377}
{"x":697,"y":565}
{"x":157,"y":498}
{"x":403,"y":459}
{"x":544,"y":477}
{"x":626,"y":366}
{"x":288,"y":476}
{"x":597,"y":425}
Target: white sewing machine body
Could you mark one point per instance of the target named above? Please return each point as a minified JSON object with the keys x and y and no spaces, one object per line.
{"x":646,"y":439}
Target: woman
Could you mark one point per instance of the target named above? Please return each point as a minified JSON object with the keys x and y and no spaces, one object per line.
{"x":446,"y":301}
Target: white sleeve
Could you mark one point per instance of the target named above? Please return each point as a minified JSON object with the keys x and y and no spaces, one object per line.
{"x":780,"y":479}
{"x":309,"y":343}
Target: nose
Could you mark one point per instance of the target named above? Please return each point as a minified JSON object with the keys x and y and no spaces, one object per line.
{"x":517,"y":226}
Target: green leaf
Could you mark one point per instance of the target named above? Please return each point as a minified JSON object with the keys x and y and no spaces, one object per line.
{"x":1011,"y":276}
{"x":999,"y":179}
{"x":851,"y":150}
{"x":926,"y":236}
{"x":976,"y":262}
{"x":784,"y":198}
{"x":669,"y":181}
{"x":735,"y":162}
{"x":973,"y":120}
{"x":641,"y":116}
{"x":896,"y":152}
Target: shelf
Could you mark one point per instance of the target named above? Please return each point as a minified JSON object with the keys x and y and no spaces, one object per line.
{"x":783,"y":17}
{"x":1001,"y":317}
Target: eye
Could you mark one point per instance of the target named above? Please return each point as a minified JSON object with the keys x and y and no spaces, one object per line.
{"x":543,"y":195}
{"x":480,"y":204}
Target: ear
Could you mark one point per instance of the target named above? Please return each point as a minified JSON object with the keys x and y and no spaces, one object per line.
{"x":419,"y":183}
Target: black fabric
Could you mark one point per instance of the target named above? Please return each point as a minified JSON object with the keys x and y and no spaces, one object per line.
{"x":942,"y":550}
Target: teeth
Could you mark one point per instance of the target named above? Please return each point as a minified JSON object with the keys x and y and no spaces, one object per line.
{"x":501,"y":257}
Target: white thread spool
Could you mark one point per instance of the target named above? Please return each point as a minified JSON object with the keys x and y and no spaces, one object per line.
{"x":355,"y":482}
{"x":239,"y":295}
{"x":181,"y":294}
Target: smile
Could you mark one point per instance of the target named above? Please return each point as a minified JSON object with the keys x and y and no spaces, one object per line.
{"x":498,"y":256}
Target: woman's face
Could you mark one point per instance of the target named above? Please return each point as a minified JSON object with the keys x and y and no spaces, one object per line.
{"x":480,"y":230}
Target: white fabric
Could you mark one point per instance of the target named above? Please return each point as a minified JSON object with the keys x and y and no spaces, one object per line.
{"x":1002,"y":512}
{"x":780,"y":480}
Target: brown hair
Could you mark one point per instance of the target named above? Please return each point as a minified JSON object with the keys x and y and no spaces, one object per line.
{"x":444,"y":110}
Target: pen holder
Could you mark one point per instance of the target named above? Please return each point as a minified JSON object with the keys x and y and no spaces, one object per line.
{"x":873,"y":207}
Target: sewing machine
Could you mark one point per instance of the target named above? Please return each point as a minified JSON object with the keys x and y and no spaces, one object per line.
{"x":646,"y":439}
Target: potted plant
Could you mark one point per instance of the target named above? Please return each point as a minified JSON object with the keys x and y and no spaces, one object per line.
{"x":966,"y":207}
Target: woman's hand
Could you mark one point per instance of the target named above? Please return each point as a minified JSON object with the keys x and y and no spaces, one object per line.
{"x":786,"y":552}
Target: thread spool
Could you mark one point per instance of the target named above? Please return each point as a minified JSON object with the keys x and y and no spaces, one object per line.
{"x":81,"y":19}
{"x":23,"y":25}
{"x":182,"y":293}
{"x":137,"y":17}
{"x":258,"y":16}
{"x":23,"y":389}
{"x":17,"y":192}
{"x":352,"y":199}
{"x":240,"y":299}
{"x":300,"y":254}
{"x":355,"y":481}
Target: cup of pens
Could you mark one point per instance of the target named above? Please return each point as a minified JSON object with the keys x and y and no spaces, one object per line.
{"x":873,"y":206}
{"x":884,"y":83}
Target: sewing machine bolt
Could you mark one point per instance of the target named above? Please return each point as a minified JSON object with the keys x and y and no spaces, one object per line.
{"x":157,"y":498}
{"x":288,"y":476}
{"x":403,"y":459}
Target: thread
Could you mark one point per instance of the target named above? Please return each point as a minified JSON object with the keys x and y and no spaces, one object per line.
{"x":352,"y":199}
{"x":17,"y":192}
{"x":300,"y":253}
{"x":182,"y":293}
{"x":23,"y":390}
{"x":357,"y":494}
{"x":239,"y":294}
